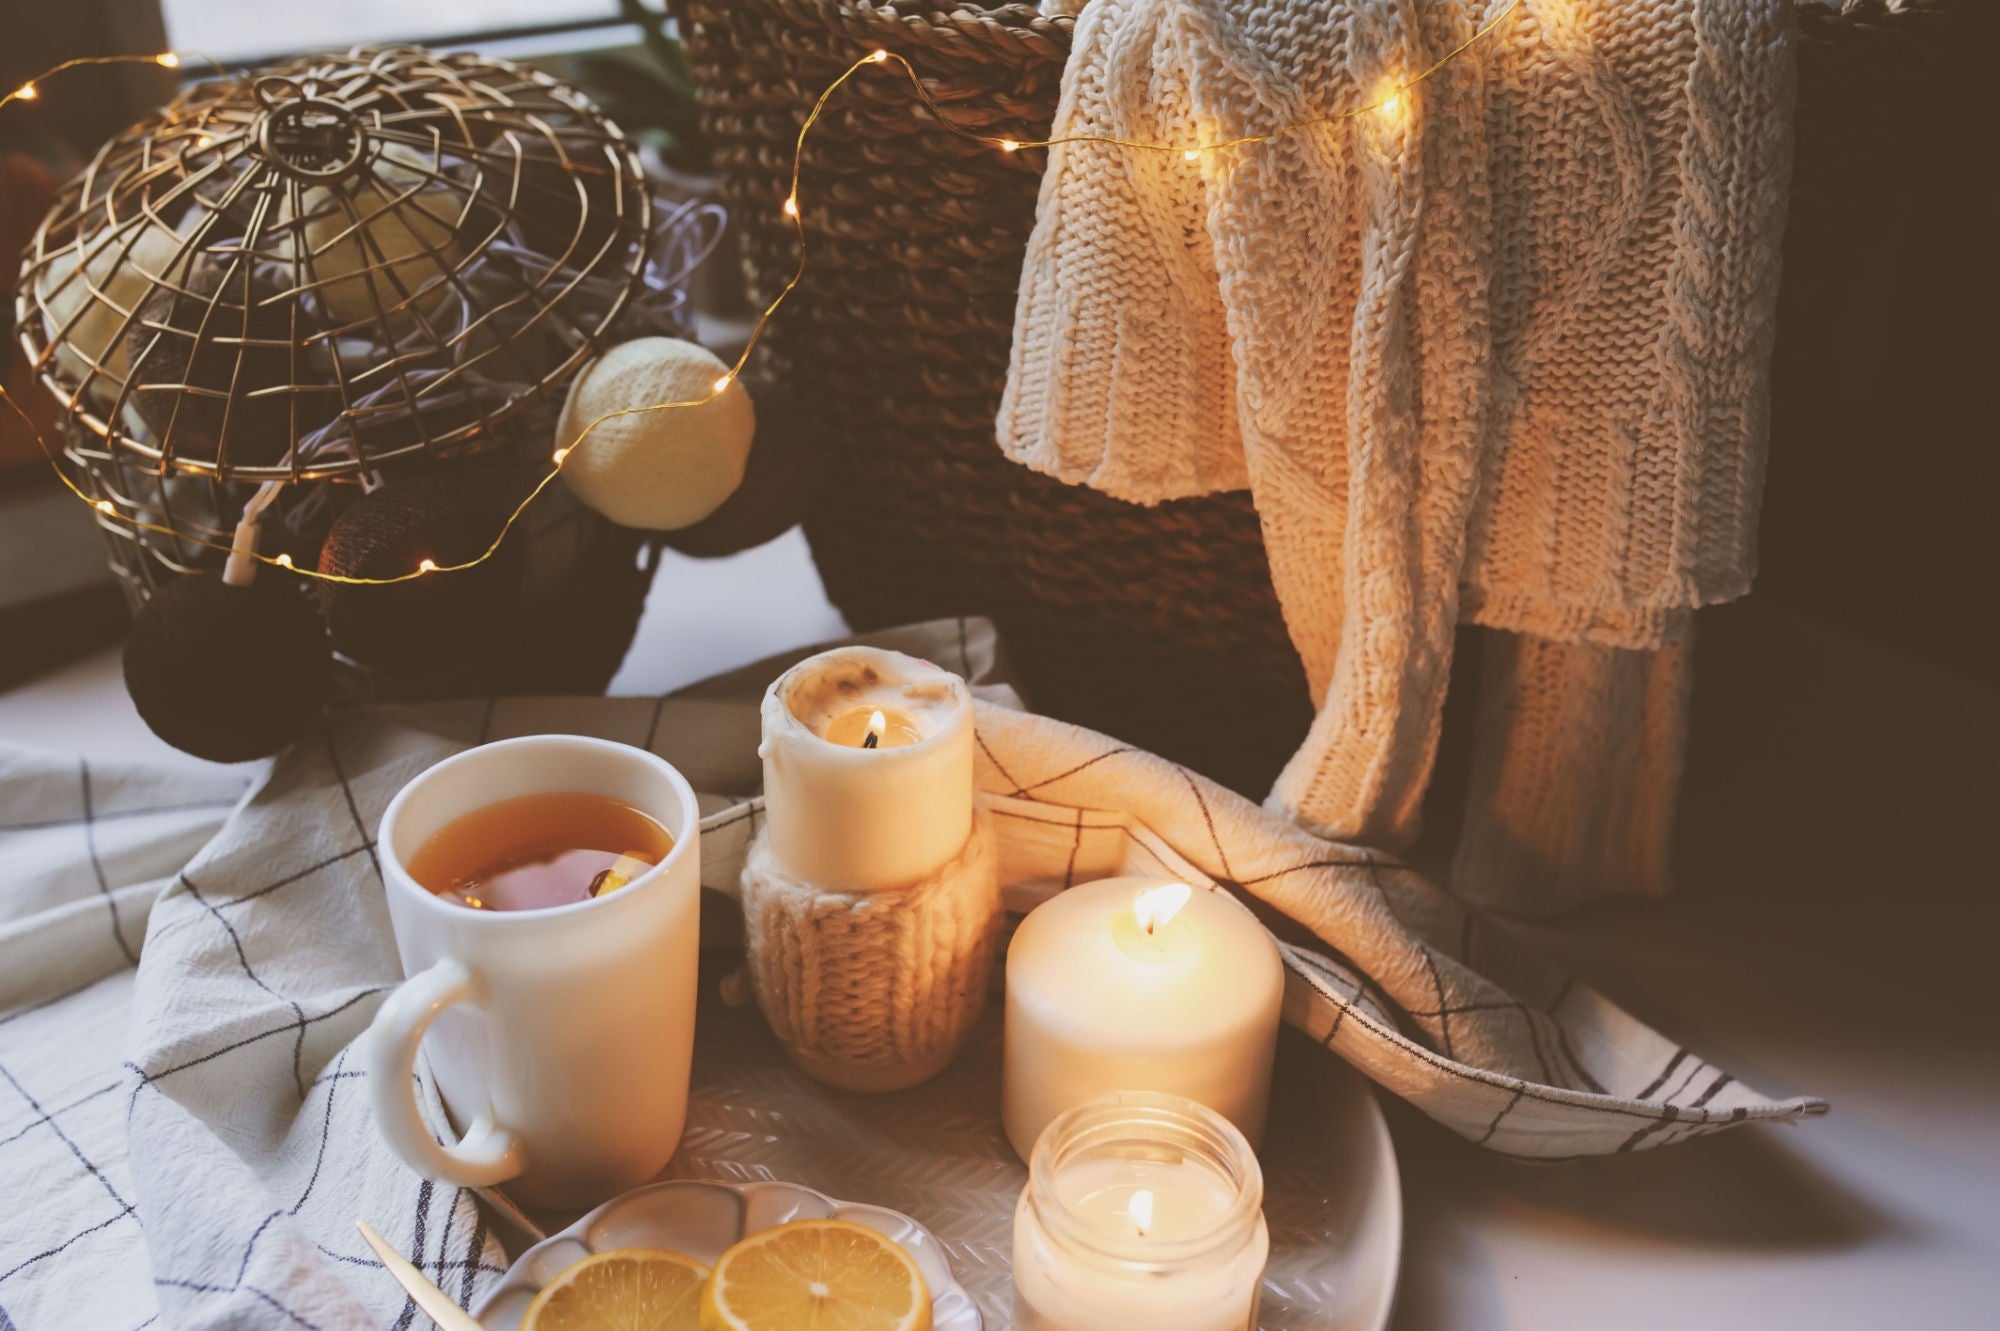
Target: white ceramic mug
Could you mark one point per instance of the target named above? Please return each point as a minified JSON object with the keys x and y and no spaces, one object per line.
{"x":560,"y":1037}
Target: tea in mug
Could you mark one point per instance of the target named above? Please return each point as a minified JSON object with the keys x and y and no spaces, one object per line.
{"x":537,"y":851}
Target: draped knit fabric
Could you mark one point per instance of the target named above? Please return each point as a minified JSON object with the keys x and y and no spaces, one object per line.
{"x":1496,"y":352}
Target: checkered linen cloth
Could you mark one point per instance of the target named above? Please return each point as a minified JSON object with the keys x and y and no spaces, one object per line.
{"x":184,"y":1144}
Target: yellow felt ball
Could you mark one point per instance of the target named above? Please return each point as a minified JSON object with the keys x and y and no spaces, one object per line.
{"x":85,"y":302}
{"x":660,"y":469}
{"x":389,"y":235}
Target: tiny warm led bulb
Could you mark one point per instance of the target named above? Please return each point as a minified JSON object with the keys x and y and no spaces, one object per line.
{"x":168,"y":59}
{"x":1008,"y":145}
{"x":27,"y":92}
{"x":878,"y":56}
{"x":723,"y":382}
{"x":1192,"y":154}
{"x":105,"y":506}
{"x":560,"y":454}
{"x":427,"y":566}
{"x":284,"y":560}
{"x":791,"y":205}
{"x":1390,"y":103}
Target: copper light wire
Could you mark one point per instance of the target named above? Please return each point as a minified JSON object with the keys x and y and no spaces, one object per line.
{"x":1386,"y":102}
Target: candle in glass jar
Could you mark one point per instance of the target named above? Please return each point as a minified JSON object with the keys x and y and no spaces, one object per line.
{"x":1142,"y":1210}
{"x":1136,"y":984}
{"x":867,"y":769}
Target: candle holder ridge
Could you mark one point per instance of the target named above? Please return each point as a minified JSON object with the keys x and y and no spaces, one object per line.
{"x":873,"y":990}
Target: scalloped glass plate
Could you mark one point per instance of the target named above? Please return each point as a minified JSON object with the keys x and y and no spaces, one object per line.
{"x":701,"y":1219}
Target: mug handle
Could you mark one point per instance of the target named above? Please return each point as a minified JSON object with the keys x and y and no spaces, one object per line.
{"x":488,"y":1153}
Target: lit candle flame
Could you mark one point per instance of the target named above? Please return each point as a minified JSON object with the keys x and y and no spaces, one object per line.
{"x":878,"y":726}
{"x":1157,"y":905}
{"x":1142,"y":1210}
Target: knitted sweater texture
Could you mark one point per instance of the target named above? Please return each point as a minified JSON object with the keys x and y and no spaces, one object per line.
{"x":1498,"y":352}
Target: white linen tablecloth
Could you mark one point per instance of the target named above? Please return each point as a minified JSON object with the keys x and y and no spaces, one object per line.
{"x":184,"y":966}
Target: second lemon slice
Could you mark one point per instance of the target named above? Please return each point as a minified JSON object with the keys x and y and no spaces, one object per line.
{"x":816,"y":1275}
{"x":626,"y":1287}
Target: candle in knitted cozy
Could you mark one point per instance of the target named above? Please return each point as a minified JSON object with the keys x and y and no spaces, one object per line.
{"x":1509,"y":336}
{"x":873,"y":990}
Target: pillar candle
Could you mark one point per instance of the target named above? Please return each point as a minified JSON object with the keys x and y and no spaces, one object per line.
{"x":1136,"y":984}
{"x":867,"y":769}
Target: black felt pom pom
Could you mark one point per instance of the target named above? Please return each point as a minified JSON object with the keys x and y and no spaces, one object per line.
{"x":227,"y":673}
{"x":201,"y":353}
{"x":446,"y":631}
{"x":780,"y":482}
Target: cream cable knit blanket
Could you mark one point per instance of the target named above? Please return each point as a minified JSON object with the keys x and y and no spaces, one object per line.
{"x":1498,"y":353}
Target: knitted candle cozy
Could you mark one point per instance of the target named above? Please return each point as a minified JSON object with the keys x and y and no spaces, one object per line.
{"x":1497,"y":351}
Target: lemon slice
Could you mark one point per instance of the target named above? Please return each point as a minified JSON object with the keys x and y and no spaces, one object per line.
{"x":816,"y":1275}
{"x":624,"y":1288}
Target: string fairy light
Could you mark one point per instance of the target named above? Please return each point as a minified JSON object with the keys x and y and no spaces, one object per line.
{"x":1387,"y":103}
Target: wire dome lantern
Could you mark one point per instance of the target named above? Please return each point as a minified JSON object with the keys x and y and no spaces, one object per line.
{"x":214,"y":269}
{"x":334,"y":268}
{"x":344,"y":273}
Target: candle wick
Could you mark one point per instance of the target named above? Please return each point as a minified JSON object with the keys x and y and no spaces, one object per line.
{"x":871,"y":740}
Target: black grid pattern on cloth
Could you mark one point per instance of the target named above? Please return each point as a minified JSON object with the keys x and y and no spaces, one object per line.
{"x":97,"y":865}
{"x":1415,"y":1049}
{"x":431,"y":1248}
{"x":65,"y":1122}
{"x":86,"y":820}
{"x":451,"y":1257}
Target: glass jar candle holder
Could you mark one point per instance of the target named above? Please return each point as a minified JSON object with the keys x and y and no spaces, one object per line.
{"x":1142,"y":1210}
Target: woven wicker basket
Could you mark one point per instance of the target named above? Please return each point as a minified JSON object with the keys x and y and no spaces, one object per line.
{"x":1159,"y":624}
